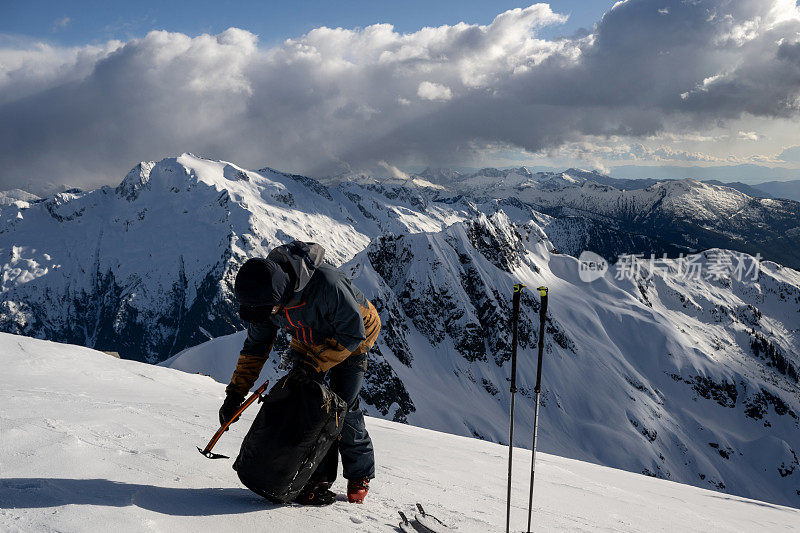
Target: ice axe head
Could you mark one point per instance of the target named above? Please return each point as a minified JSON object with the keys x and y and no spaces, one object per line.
{"x":212,"y":455}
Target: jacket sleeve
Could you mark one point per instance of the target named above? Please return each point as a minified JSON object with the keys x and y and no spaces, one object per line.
{"x":344,"y":312}
{"x":255,"y":352}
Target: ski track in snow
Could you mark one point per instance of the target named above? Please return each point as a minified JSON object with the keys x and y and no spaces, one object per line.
{"x":94,"y":443}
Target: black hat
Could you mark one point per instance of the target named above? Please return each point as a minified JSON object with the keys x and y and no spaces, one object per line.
{"x":261,"y":282}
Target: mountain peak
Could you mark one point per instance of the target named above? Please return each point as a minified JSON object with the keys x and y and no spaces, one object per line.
{"x":16,"y":195}
{"x":491,"y":172}
{"x":523,"y":171}
{"x":135,"y":180}
{"x":182,"y":171}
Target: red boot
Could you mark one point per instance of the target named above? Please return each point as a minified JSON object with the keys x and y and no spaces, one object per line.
{"x":357,"y":490}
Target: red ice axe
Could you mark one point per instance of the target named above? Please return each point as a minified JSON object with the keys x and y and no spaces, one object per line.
{"x":224,"y":427}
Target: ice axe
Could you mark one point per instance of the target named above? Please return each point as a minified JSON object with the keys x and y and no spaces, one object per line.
{"x":224,"y":427}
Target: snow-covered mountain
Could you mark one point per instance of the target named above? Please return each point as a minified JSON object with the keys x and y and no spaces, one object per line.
{"x":687,"y":213}
{"x":666,"y":376}
{"x":16,"y":195}
{"x":492,"y":179}
{"x":749,"y":190}
{"x":683,"y":213}
{"x":95,"y":443}
{"x":573,"y":234}
{"x":146,"y":269}
{"x":693,"y":380}
{"x":499,"y":183}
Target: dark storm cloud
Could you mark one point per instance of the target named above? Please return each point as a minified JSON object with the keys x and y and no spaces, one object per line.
{"x":336,"y":99}
{"x":641,"y":72}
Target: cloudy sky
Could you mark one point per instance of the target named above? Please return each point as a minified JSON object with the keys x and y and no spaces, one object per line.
{"x":88,"y":89}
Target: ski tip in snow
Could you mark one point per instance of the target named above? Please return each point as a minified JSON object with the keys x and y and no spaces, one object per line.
{"x":422,"y":523}
{"x":405,"y":526}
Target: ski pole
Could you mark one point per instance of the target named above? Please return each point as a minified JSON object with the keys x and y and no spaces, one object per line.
{"x":537,"y":390}
{"x":514,"y":323}
{"x":224,"y":427}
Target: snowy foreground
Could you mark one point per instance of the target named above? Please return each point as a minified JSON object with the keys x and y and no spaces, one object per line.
{"x":92,"y":443}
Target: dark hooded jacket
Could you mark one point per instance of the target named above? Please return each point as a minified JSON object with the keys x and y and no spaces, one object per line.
{"x":328,"y":318}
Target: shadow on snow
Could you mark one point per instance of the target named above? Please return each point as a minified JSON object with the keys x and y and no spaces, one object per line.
{"x":30,"y":493}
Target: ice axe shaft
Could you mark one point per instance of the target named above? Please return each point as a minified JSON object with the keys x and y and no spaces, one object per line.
{"x":253,"y":397}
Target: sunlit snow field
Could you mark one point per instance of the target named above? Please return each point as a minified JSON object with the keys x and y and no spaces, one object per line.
{"x":92,"y":443}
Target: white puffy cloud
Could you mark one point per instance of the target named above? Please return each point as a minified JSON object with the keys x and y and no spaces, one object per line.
{"x":749,"y":136}
{"x":350,"y":98}
{"x":687,"y":137}
{"x":392,"y":171}
{"x":32,"y":68}
{"x":630,"y":151}
{"x":433,"y":91}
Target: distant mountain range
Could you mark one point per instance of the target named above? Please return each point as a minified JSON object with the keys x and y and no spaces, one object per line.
{"x":684,"y":214}
{"x":787,"y":189}
{"x":768,"y":189}
{"x":781,"y":189}
{"x":146,"y":268}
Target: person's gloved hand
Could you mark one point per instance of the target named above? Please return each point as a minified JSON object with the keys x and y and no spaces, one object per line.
{"x":229,"y":407}
{"x":303,"y":374}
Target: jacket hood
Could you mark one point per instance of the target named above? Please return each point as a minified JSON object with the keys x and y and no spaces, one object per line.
{"x":261,"y":283}
{"x":300,"y":259}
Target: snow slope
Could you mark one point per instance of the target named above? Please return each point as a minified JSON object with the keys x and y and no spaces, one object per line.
{"x":93,"y":443}
{"x":694,"y":380}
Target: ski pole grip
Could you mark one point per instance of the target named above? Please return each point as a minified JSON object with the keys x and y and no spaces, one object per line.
{"x":543,"y":310}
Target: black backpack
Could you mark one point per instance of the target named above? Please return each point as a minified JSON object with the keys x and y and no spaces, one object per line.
{"x":298,"y":422}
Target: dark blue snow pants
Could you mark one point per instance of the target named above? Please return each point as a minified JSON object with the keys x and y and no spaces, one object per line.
{"x":355,"y":445}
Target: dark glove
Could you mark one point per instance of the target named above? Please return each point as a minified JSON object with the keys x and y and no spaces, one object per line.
{"x":303,"y":374}
{"x":229,"y":407}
